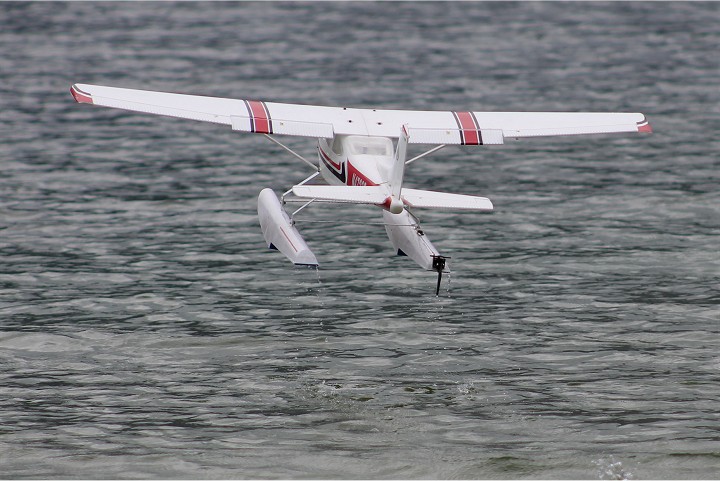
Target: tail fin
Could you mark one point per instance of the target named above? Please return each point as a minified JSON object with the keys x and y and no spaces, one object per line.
{"x":398,"y":171}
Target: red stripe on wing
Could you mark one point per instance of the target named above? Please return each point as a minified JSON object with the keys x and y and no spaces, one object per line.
{"x":469,"y":131}
{"x":259,"y":117}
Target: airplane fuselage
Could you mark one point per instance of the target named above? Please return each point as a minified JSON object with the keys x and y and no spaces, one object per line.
{"x":356,"y":160}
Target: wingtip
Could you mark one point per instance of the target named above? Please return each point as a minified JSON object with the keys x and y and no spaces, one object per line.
{"x":644,"y":126}
{"x":80,"y":96}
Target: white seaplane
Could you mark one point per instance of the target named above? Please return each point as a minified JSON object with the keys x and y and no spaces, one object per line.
{"x":357,"y":156}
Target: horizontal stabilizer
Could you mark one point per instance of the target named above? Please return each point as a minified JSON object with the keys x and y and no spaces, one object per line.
{"x":440,"y":200}
{"x":357,"y":195}
{"x":379,"y":195}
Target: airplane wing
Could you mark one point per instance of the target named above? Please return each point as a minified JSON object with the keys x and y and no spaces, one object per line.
{"x":425,"y":127}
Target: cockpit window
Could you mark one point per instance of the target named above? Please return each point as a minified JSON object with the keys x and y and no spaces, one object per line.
{"x":370,"y":146}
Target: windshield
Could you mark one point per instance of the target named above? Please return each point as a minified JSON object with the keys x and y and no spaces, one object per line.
{"x":370,"y":146}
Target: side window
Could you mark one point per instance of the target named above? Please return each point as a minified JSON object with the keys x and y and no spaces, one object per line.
{"x":337,"y":145}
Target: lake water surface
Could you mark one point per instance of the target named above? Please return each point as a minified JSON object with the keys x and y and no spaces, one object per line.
{"x":146,"y":331}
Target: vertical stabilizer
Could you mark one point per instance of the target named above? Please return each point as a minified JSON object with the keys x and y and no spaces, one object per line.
{"x":398,"y":170}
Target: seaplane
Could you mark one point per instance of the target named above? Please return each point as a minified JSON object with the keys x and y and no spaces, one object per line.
{"x":362,"y":155}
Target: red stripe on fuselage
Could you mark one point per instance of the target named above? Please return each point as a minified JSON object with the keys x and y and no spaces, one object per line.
{"x":259,"y":117}
{"x":356,"y":178}
{"x":327,"y":158}
{"x":468,"y":128}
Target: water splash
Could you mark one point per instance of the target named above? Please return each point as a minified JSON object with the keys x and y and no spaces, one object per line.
{"x":319,"y":289}
{"x":610,"y":468}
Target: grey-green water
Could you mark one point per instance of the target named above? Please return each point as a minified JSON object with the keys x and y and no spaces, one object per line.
{"x":146,"y":332}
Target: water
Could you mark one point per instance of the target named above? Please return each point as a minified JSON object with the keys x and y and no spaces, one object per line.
{"x":146,"y":332}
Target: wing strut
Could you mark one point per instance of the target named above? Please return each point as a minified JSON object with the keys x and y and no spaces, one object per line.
{"x":282,"y":198}
{"x":316,"y":167}
{"x":435,"y":149}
